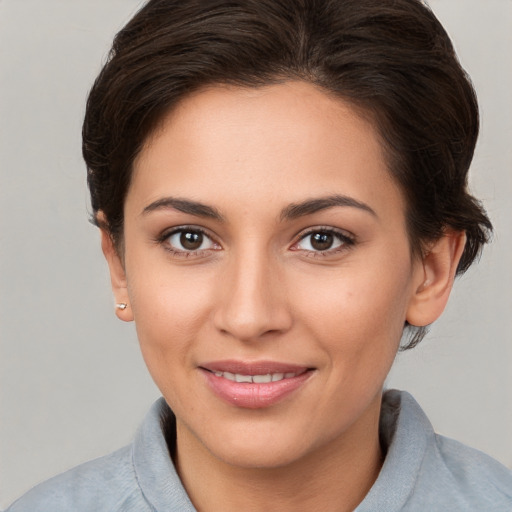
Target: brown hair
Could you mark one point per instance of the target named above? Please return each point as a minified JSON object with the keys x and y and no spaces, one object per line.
{"x":391,"y":58}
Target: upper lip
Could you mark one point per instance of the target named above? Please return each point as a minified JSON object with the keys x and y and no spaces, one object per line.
{"x":253,"y":367}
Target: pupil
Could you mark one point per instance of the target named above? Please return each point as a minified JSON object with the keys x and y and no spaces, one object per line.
{"x":322,"y":241}
{"x":190,"y":240}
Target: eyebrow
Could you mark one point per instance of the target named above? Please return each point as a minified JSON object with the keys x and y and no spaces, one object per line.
{"x":292,"y":211}
{"x":310,"y":206}
{"x":184,"y":205}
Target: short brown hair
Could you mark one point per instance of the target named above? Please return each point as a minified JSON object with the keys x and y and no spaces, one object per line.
{"x":390,"y":58}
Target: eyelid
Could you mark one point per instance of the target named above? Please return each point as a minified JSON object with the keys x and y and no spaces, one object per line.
{"x":163,"y":238}
{"x":347,"y":239}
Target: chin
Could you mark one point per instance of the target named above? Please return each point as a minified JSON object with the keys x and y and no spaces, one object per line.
{"x":264,"y":455}
{"x":257,"y":444}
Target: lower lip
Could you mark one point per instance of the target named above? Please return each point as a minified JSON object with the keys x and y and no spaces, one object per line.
{"x":252,"y":395}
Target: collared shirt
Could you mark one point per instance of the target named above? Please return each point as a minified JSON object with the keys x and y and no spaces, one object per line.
{"x":422,"y":471}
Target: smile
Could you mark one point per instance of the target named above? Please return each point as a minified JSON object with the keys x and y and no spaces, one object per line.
{"x":257,"y":379}
{"x":254,"y":385}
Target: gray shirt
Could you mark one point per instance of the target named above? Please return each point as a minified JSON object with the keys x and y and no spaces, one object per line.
{"x":422,"y":471}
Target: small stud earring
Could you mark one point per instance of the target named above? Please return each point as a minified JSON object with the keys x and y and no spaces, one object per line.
{"x":122,"y":306}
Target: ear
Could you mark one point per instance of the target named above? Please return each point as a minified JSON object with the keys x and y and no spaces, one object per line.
{"x":435,"y":279}
{"x":117,"y":276}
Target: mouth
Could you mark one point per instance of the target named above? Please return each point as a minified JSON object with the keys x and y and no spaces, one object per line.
{"x":258,"y":379}
{"x":254,"y":385}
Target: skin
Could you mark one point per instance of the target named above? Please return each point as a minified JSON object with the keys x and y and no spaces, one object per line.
{"x":258,"y":289}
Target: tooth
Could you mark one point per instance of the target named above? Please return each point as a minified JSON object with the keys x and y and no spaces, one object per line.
{"x":243,"y":378}
{"x":258,"y":379}
{"x":262,"y":379}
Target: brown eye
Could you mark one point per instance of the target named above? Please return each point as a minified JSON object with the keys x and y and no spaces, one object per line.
{"x":190,"y":240}
{"x":322,"y":241}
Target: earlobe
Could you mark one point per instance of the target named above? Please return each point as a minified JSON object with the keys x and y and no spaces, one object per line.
{"x":117,"y":277}
{"x":435,"y":282}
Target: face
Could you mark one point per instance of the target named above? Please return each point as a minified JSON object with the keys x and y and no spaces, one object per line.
{"x":268,"y":271}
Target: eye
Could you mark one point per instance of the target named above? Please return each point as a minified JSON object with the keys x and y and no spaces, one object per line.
{"x":323,"y":241}
{"x":189,"y":240}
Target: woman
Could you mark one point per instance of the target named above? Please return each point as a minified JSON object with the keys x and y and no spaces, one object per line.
{"x":281,"y":192}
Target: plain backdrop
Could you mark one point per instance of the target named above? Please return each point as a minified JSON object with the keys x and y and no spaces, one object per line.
{"x":73,"y":385}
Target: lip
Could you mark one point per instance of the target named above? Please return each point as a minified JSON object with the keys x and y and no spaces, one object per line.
{"x":254,"y":395}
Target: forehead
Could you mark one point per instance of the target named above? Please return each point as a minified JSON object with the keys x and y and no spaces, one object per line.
{"x":279,"y":142}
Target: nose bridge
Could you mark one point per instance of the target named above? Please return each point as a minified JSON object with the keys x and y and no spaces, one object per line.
{"x":254,"y":298}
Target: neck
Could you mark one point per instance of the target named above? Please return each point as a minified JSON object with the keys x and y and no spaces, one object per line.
{"x":334,"y":477}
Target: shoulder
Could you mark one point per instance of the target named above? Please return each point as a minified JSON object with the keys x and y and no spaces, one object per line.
{"x":480,"y":480}
{"x":138,"y":478}
{"x":425,"y":471}
{"x":108,"y":483}
{"x":452,"y":474}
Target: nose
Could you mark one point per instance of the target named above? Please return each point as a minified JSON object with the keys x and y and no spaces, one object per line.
{"x":253,"y":300}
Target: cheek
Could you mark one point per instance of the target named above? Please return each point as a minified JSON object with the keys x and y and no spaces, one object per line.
{"x":170,"y":307}
{"x":168,"y":322}
{"x":357,"y":311}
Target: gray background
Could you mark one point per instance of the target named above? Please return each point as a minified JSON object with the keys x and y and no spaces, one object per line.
{"x":73,"y":385}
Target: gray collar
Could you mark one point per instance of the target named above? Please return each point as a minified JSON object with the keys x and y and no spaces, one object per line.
{"x":162,"y":487}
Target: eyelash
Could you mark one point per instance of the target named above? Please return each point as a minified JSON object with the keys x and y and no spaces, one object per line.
{"x":346,"y":242}
{"x":164,"y":241}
